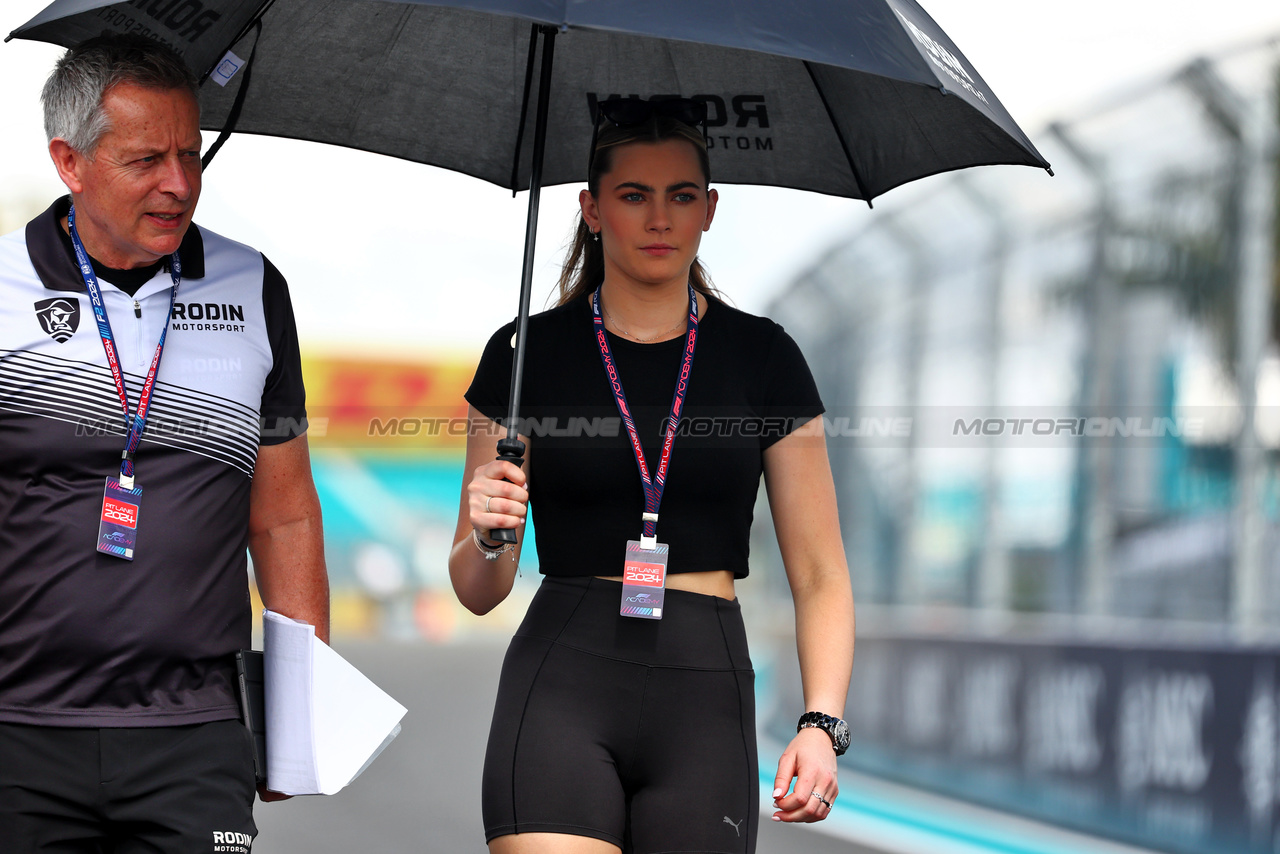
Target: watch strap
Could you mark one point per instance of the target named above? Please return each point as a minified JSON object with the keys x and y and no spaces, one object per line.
{"x":835,"y":728}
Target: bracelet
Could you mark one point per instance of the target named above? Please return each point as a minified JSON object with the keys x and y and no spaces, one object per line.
{"x":489,"y":552}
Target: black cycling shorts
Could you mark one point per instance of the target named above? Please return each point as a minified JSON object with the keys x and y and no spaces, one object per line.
{"x":143,"y":790}
{"x":637,"y":732}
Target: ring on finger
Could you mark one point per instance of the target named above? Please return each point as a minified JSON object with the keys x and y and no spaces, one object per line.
{"x":826,"y":803}
{"x":486,"y":504}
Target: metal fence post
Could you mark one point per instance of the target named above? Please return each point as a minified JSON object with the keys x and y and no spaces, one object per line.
{"x":1092,"y":524}
{"x":837,"y":374}
{"x":992,"y":588}
{"x":1247,"y":127}
{"x":907,"y":582}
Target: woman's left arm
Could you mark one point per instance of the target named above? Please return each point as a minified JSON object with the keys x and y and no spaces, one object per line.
{"x":802,"y":499}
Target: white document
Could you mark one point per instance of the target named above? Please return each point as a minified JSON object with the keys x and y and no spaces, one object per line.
{"x":325,"y":720}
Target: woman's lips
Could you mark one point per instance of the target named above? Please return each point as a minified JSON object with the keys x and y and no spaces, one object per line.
{"x":659,"y":249}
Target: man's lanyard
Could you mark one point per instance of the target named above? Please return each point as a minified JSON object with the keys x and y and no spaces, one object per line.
{"x":139,"y":419}
{"x":653,"y":486}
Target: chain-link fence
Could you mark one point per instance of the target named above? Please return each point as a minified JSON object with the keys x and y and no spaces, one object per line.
{"x":1058,"y":394}
{"x":1053,"y":415}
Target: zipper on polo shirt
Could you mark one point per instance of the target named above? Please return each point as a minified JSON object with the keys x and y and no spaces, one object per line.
{"x":139,"y":346}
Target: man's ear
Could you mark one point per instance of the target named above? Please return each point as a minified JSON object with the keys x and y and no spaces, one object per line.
{"x":68,"y":162}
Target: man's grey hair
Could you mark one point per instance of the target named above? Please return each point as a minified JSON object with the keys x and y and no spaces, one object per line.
{"x":72,"y":96}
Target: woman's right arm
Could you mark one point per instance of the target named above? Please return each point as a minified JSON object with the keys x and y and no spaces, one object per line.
{"x":481,"y":583}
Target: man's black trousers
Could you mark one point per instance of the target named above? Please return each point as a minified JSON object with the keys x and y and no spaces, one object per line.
{"x":146,"y":790}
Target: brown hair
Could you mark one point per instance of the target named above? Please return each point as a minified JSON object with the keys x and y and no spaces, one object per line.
{"x":583,"y":269}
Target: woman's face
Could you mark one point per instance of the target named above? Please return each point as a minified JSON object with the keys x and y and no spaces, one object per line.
{"x":652,"y":209}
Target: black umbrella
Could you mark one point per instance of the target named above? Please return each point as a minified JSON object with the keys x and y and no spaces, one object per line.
{"x":844,"y":97}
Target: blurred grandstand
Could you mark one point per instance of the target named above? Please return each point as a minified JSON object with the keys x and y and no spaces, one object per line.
{"x":387,"y":443}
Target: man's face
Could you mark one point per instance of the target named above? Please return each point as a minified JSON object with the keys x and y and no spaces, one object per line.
{"x":135,"y":197}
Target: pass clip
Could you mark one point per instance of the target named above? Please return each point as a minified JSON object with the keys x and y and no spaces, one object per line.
{"x":126,"y":480}
{"x":649,"y":543}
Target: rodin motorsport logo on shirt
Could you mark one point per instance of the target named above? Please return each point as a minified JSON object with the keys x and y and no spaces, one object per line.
{"x":207,"y":317}
{"x":231,"y":842}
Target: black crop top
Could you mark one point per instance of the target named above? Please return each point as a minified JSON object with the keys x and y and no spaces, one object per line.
{"x":749,"y":386}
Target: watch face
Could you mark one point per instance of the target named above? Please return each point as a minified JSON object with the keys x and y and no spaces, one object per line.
{"x":841,"y":737}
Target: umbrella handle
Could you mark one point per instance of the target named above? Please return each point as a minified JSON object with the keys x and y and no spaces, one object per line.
{"x":509,"y":451}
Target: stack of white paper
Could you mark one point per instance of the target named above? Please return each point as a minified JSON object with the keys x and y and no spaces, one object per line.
{"x":325,"y":720}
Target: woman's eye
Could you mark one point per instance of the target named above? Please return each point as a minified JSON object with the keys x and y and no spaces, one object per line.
{"x":633,"y":197}
{"x":686,"y":197}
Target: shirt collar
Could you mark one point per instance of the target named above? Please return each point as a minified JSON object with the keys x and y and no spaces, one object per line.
{"x":59,"y":272}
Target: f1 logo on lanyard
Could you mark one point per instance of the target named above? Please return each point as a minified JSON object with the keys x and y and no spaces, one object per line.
{"x":644,"y":572}
{"x":122,"y":498}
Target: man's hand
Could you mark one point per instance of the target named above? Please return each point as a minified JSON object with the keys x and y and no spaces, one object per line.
{"x":267,"y":796}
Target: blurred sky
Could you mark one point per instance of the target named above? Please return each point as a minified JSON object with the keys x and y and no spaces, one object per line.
{"x":348,"y":229}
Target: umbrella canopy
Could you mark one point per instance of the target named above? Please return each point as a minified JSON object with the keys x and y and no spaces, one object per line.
{"x":844,"y":97}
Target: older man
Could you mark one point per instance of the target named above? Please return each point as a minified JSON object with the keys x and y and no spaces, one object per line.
{"x":131,"y":484}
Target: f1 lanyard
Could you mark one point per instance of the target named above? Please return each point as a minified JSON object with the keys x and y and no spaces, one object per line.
{"x":653,"y":486}
{"x":139,"y":419}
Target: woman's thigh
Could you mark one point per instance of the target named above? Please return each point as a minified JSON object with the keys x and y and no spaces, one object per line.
{"x":550,"y":843}
{"x":633,"y":733}
{"x":700,"y":787}
{"x":562,"y":723}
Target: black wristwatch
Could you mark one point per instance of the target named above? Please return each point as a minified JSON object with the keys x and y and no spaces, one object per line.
{"x":836,"y":728}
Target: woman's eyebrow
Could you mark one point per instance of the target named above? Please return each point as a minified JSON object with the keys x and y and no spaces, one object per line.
{"x":645,"y":188}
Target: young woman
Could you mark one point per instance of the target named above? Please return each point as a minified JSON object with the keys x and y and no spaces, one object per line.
{"x":625,"y":717}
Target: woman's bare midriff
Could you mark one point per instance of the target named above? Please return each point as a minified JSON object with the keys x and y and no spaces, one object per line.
{"x":718,"y":583}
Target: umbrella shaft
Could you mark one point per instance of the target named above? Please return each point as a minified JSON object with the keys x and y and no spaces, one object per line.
{"x":511,"y":449}
{"x":531,"y":230}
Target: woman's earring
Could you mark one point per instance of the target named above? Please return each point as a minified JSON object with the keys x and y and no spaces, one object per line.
{"x":595,"y":235}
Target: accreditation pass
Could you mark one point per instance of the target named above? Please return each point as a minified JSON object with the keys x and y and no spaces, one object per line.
{"x":644,"y":581}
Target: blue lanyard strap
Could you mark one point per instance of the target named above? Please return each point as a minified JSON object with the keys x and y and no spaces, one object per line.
{"x":653,"y":486}
{"x":139,"y":418}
